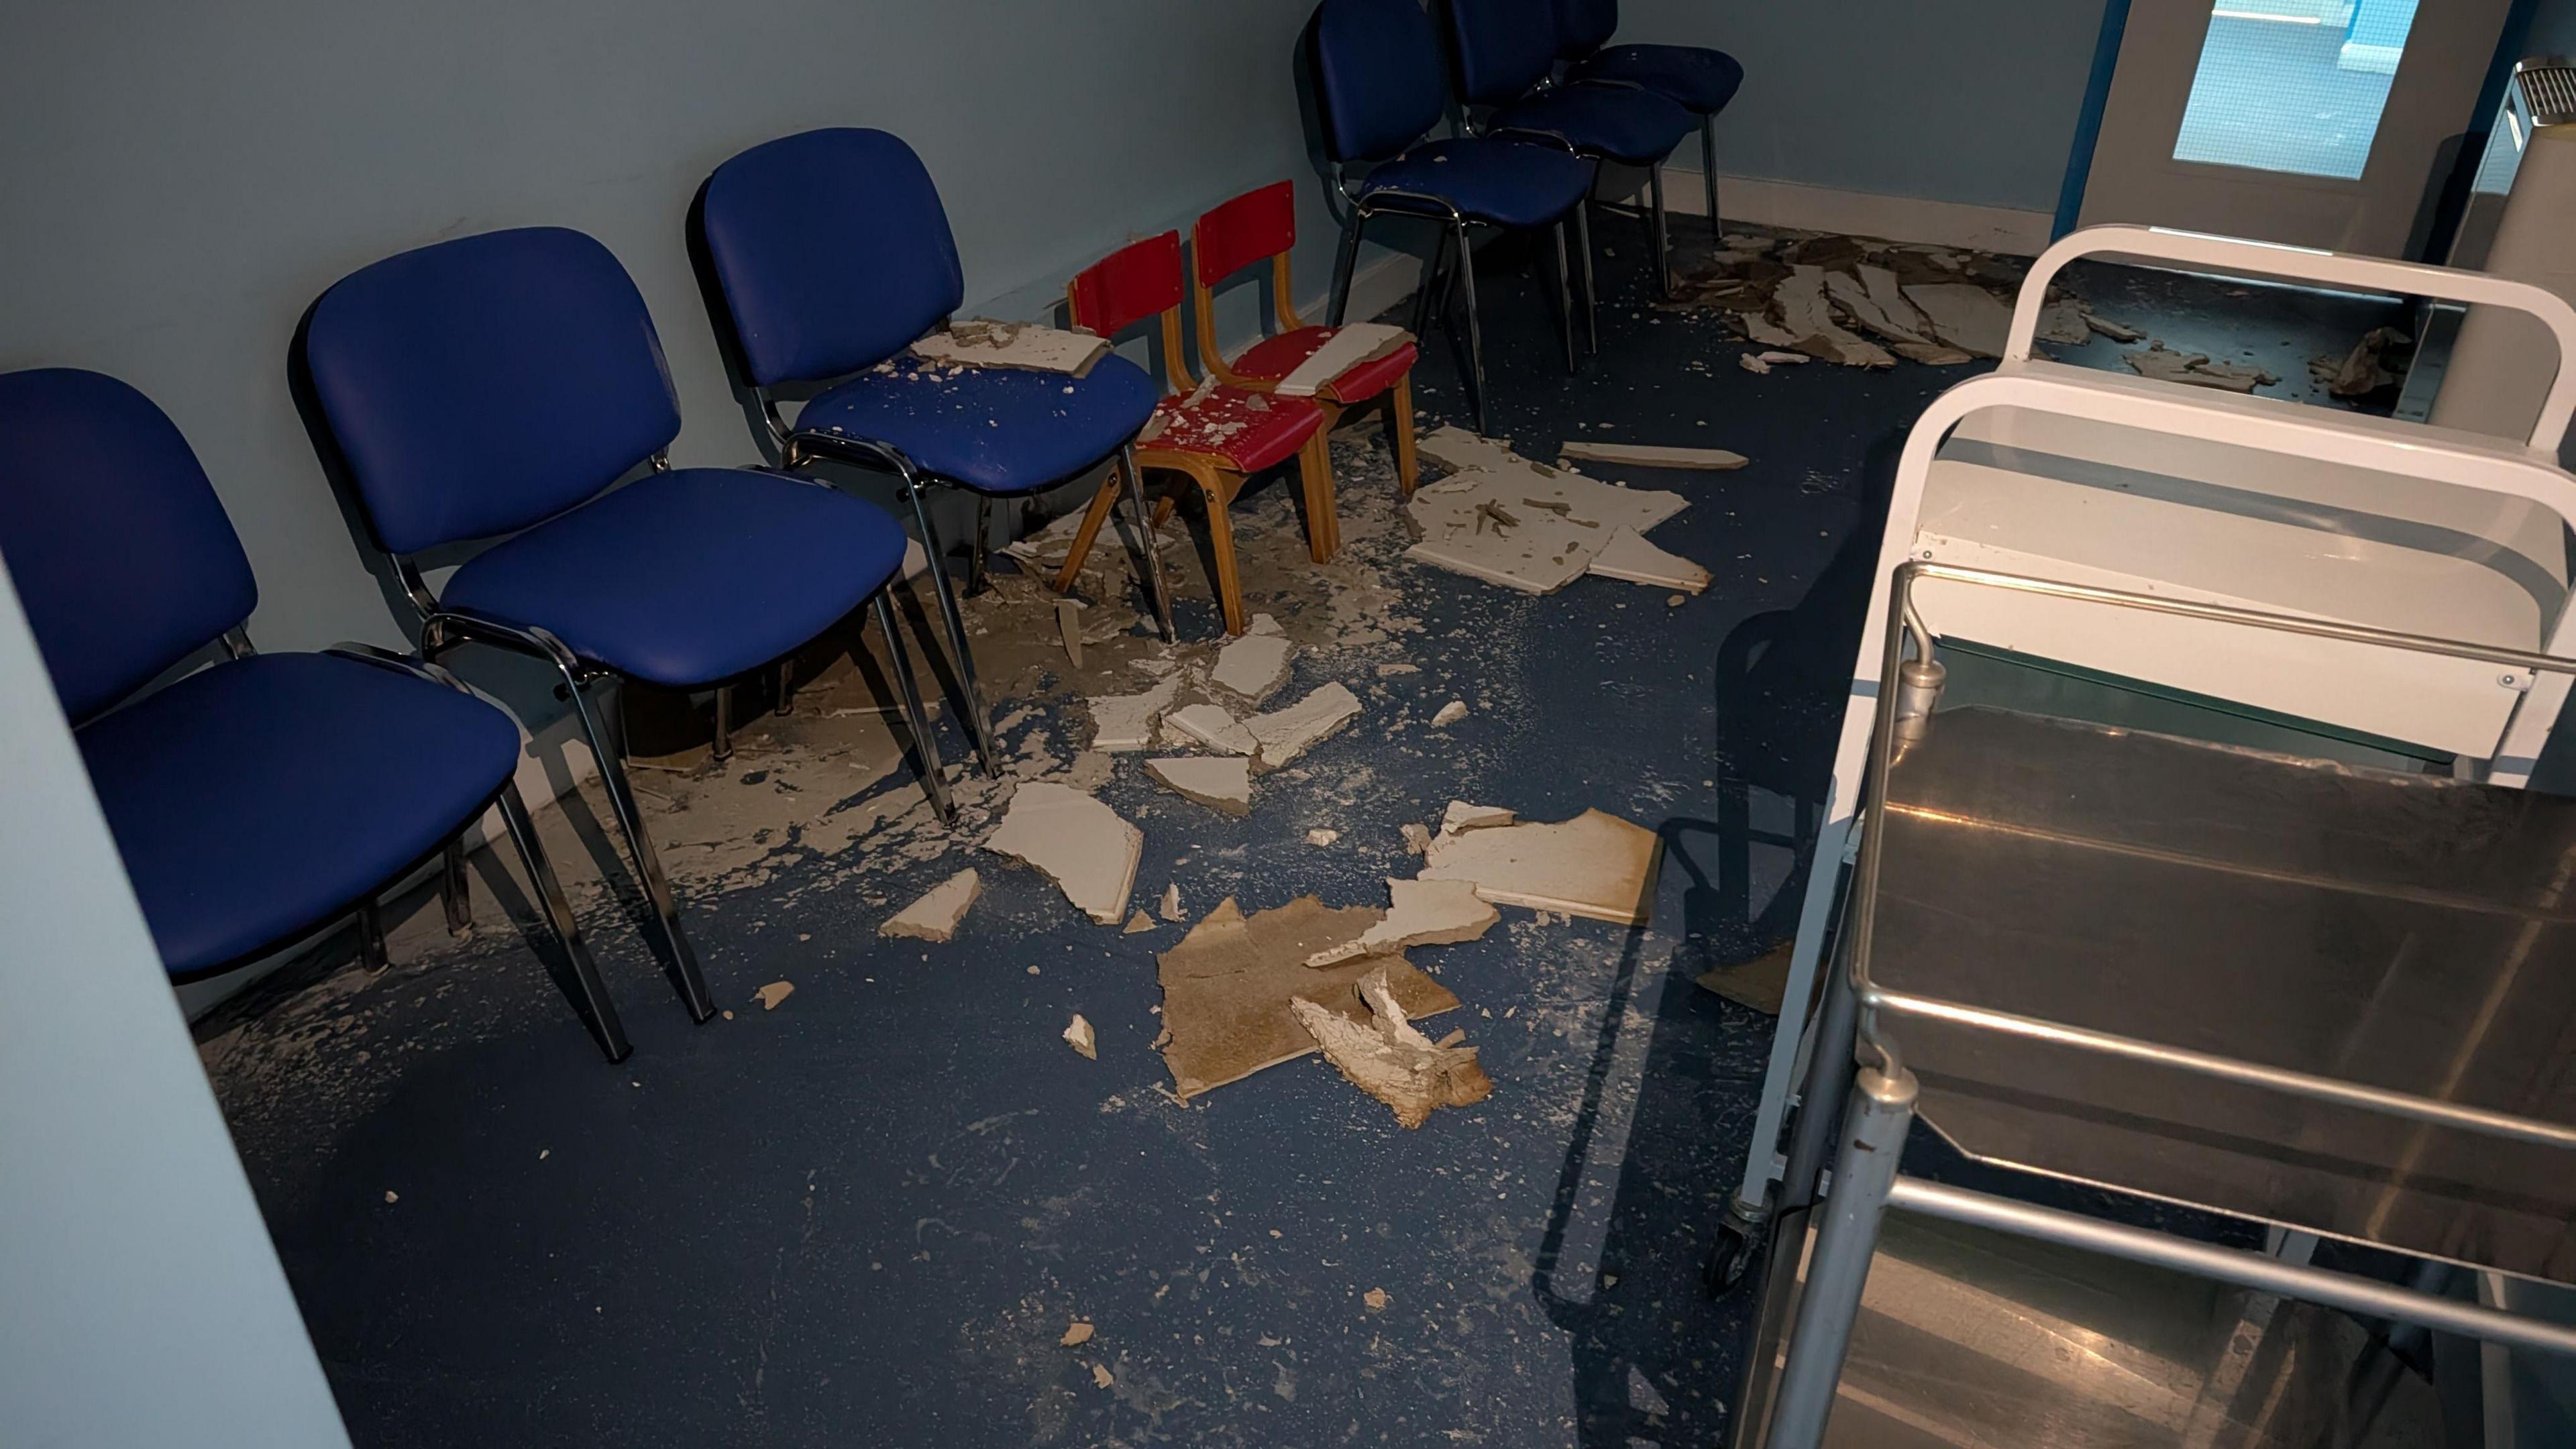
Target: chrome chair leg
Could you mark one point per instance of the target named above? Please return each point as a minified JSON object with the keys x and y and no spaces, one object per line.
{"x":1345,"y":265}
{"x":1433,"y":295}
{"x":454,"y":891}
{"x":978,"y":579}
{"x":1560,"y":295}
{"x":786,"y":682}
{"x":581,"y":984}
{"x":1662,"y":234}
{"x":899,"y":663}
{"x":723,"y":749}
{"x":1145,"y":534}
{"x":1708,"y":174}
{"x":606,"y":732}
{"x":371,"y":936}
{"x":979,"y":727}
{"x":1475,"y":329}
{"x":1591,"y":297}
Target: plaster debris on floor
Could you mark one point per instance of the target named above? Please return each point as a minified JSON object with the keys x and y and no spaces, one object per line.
{"x":1221,"y":783}
{"x":1126,"y":721}
{"x":1282,"y":735}
{"x":1508,"y":520}
{"x":2365,"y":369}
{"x":1256,"y":664}
{"x":1419,"y":913}
{"x":775,"y":992}
{"x":1078,"y":1035}
{"x":1387,"y":1058}
{"x":1346,"y":348}
{"x":1626,"y":555}
{"x":1460,"y":815}
{"x":1170,"y":908}
{"x":1715,"y":460}
{"x":1594,"y":865}
{"x":1080,"y":844}
{"x":2195,"y":368}
{"x":1076,"y":1334}
{"x":982,"y":342}
{"x":1449,"y":714}
{"x":1208,"y":726}
{"x":935,"y":915}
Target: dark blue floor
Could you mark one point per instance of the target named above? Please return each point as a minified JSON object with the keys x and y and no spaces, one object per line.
{"x":868,"y":1216}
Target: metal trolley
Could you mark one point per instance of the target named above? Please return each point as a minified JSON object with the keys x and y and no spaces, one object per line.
{"x":2336,"y":1000}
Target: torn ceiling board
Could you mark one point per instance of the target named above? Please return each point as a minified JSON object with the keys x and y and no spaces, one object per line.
{"x":1595,"y":865}
{"x":1459,"y":450}
{"x":1348,"y":347}
{"x":1126,"y":721}
{"x":1965,"y":315}
{"x":1208,"y":726}
{"x":1456,"y":504}
{"x":1889,"y":296}
{"x":1420,"y":913}
{"x":1866,"y":311}
{"x":1804,"y":314}
{"x":934,"y":917}
{"x":2195,"y":369}
{"x":1540,"y":555}
{"x":1640,"y":455}
{"x":1253,"y":665}
{"x":1934,"y":354}
{"x":1384,"y":1056}
{"x":1220,"y":782}
{"x":982,"y":342}
{"x":1284,"y":734}
{"x":1624,"y":555}
{"x":2063,"y":322}
{"x":2116,"y":331}
{"x":1079,"y":843}
{"x":1227,"y":985}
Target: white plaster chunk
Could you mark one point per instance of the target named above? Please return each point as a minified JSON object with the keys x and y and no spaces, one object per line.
{"x":1423,"y":913}
{"x":1348,"y":347}
{"x":1967,"y":316}
{"x":1865,"y":310}
{"x":1077,"y":842}
{"x":1263,"y":624}
{"x":1639,"y":455}
{"x":1462,"y":816}
{"x":2063,"y":322}
{"x":1392,"y":1061}
{"x":1170,"y":909}
{"x":1752,"y":364}
{"x":982,"y":342}
{"x":934,"y":917}
{"x":1222,"y":784}
{"x":1253,"y":665}
{"x":1595,"y":865}
{"x":1626,"y":556}
{"x":1208,"y":726}
{"x":1126,"y":721}
{"x":1807,"y":321}
{"x":1079,"y":1036}
{"x":1320,"y":836}
{"x":1449,"y":714}
{"x":1285,"y":734}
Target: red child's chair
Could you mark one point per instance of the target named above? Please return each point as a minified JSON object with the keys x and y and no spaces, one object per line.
{"x":1262,"y":225}
{"x":1217,"y":436}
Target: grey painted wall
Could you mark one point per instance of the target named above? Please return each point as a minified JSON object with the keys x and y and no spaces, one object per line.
{"x":1951,"y":100}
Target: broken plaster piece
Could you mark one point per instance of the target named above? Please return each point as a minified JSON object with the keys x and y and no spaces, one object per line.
{"x":1417,"y":838}
{"x":2062,"y":322}
{"x":1076,"y":1334}
{"x":1321,"y":837}
{"x":1077,"y":842}
{"x":1638,"y":455}
{"x":1170,"y":909}
{"x":1079,"y":1037}
{"x":1253,"y":665}
{"x":1391,"y":1061}
{"x":1068,"y":623}
{"x":1138,"y":924}
{"x":775,"y":992}
{"x":1449,"y":714}
{"x":1285,"y":734}
{"x":1210,"y":727}
{"x":1223,"y":784}
{"x":1462,"y":816}
{"x":1624,"y":555}
{"x":1126,"y":721}
{"x":1752,"y":364}
{"x":1595,"y":865}
{"x":1348,"y":347}
{"x":981,"y":342}
{"x":1422,"y":913}
{"x":934,"y":917}
{"x":1807,"y":320}
{"x":1965,"y":315}
{"x":2195,"y":369}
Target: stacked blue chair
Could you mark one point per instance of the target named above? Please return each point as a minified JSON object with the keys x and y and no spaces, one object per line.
{"x":263,"y":797}
{"x":1506,"y":52}
{"x":1698,"y":79}
{"x":504,"y":384}
{"x":831,"y":256}
{"x":1378,"y":84}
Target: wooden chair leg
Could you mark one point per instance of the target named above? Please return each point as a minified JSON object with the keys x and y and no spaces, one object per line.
{"x":1092,"y":517}
{"x":1324,"y":524}
{"x":1229,"y":582}
{"x":1399,"y":402}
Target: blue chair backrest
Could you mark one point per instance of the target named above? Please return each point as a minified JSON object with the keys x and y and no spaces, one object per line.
{"x":832,"y":250}
{"x":487,"y":383}
{"x":1584,"y":26}
{"x":122,"y":555}
{"x":1377,"y":73}
{"x":1504,"y":47}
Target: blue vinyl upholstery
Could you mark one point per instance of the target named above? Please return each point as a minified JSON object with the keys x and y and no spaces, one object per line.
{"x":1503,"y":183}
{"x":1637,"y":127}
{"x":1503,"y":47}
{"x":692,"y":576}
{"x":832,"y":251}
{"x":257,"y":799}
{"x":995,"y":430}
{"x":1697,"y":78}
{"x":1584,"y":26}
{"x":122,"y":555}
{"x":479,"y":385}
{"x":1377,"y":73}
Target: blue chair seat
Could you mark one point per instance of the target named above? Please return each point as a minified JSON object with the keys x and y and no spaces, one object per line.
{"x":253,"y":799}
{"x":1500,"y":183}
{"x":1637,"y":127}
{"x":1700,"y":79}
{"x":993,"y":429}
{"x":689,"y":577}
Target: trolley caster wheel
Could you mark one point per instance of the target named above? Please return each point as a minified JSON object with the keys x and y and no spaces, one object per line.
{"x":1728,"y":1261}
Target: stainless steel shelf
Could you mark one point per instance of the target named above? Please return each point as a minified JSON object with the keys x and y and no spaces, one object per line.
{"x":2400,"y":932}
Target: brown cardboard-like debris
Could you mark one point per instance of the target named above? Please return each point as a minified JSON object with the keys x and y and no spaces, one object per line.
{"x":1221,"y":783}
{"x":1139,"y":923}
{"x":2361,"y":371}
{"x":982,"y":342}
{"x":775,"y":992}
{"x":1079,"y":843}
{"x":1068,"y":623}
{"x":1420,"y":913}
{"x":2196,"y":369}
{"x":1284,"y":734}
{"x":1076,"y":1334}
{"x":1386,"y":1058}
{"x":1595,"y":865}
{"x":934,"y":917}
{"x":1449,"y":714}
{"x":1761,"y":983}
{"x":1079,"y":1037}
{"x":1639,"y":455}
{"x":1626,"y":556}
{"x":1227,"y":985}
{"x":1348,"y":347}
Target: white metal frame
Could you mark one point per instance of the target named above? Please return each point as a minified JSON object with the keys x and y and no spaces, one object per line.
{"x":2526,"y":470}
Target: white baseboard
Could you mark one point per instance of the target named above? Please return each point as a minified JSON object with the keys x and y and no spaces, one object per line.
{"x":1761,"y":202}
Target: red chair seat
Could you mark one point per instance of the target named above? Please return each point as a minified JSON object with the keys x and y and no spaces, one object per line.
{"x":1273,"y":358}
{"x":1247,"y":431}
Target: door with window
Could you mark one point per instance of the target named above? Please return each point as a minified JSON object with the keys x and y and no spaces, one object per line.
{"x":2308,"y":122}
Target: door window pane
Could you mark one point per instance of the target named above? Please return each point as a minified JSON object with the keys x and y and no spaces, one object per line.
{"x":2293,"y":85}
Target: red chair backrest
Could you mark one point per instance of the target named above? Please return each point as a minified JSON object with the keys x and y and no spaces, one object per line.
{"x":1253,"y":227}
{"x":1129,"y":285}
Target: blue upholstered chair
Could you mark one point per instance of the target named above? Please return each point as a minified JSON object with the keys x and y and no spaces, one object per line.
{"x":1378,"y":85}
{"x":831,"y":255}
{"x":1506,"y":52}
{"x":1698,"y":79}
{"x":503,"y":384}
{"x":264,"y":797}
